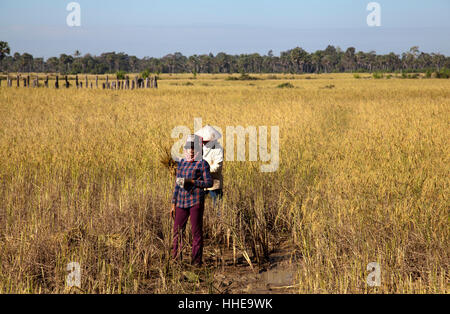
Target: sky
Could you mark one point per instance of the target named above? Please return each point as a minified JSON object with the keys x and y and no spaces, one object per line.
{"x":156,"y":28}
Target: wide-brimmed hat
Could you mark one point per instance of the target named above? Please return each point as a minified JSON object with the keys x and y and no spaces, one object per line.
{"x":208,"y":133}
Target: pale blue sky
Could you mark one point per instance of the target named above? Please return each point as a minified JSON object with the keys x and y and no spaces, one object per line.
{"x":158,"y":27}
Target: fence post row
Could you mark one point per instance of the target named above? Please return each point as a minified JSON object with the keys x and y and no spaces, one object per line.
{"x":136,"y":83}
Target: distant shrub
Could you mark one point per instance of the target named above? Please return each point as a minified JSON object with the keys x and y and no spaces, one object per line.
{"x":145,"y":74}
{"x":356,"y":76}
{"x":246,"y":77}
{"x":243,"y":77}
{"x":285,"y":85}
{"x":232,"y":78}
{"x":188,"y":84}
{"x":272,"y":77}
{"x":121,"y":75}
{"x":378,"y":75}
{"x":443,"y":73}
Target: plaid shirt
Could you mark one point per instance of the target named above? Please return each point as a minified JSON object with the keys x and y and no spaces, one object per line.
{"x":192,"y":195}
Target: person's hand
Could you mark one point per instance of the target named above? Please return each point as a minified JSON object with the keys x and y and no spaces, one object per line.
{"x":180,"y":182}
{"x":189,"y":181}
{"x":172,"y":212}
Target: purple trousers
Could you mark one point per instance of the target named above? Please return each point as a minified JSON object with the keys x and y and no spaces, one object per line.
{"x":181,"y":218}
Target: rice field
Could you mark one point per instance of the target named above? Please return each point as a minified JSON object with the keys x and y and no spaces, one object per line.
{"x":363,"y":177}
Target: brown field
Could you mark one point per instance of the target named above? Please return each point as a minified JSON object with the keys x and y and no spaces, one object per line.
{"x":363,"y":177}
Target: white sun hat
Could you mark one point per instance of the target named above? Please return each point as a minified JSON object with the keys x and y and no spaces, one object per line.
{"x":208,"y":133}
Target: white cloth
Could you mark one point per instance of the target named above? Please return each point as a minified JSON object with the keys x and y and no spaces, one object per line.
{"x":213,"y":154}
{"x":209,"y":134}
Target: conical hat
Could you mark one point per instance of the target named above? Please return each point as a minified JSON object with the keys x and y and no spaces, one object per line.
{"x":209,"y":133}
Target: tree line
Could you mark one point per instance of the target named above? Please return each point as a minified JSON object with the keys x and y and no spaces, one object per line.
{"x":296,"y":60}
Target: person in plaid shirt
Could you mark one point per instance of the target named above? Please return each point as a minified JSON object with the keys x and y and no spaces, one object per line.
{"x":193,"y":177}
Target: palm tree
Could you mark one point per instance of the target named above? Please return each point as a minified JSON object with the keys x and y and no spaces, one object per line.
{"x":65,"y":62}
{"x":298,"y":57}
{"x":316,"y":60}
{"x":26,"y":61}
{"x":4,"y":50}
{"x":349,"y":59}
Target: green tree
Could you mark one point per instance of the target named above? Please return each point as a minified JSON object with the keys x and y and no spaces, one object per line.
{"x":26,"y":62}
{"x":65,"y":62}
{"x":4,"y":50}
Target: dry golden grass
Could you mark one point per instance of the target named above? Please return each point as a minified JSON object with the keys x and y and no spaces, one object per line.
{"x":364,"y":177}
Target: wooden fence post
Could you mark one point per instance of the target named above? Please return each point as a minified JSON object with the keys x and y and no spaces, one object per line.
{"x":87,"y":82}
{"x":76,"y":80}
{"x":24,"y":82}
{"x":67,"y":82}
{"x":156,"y":82}
{"x":28,"y":80}
{"x":57,"y":82}
{"x":46,"y":82}
{"x":96,"y":81}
